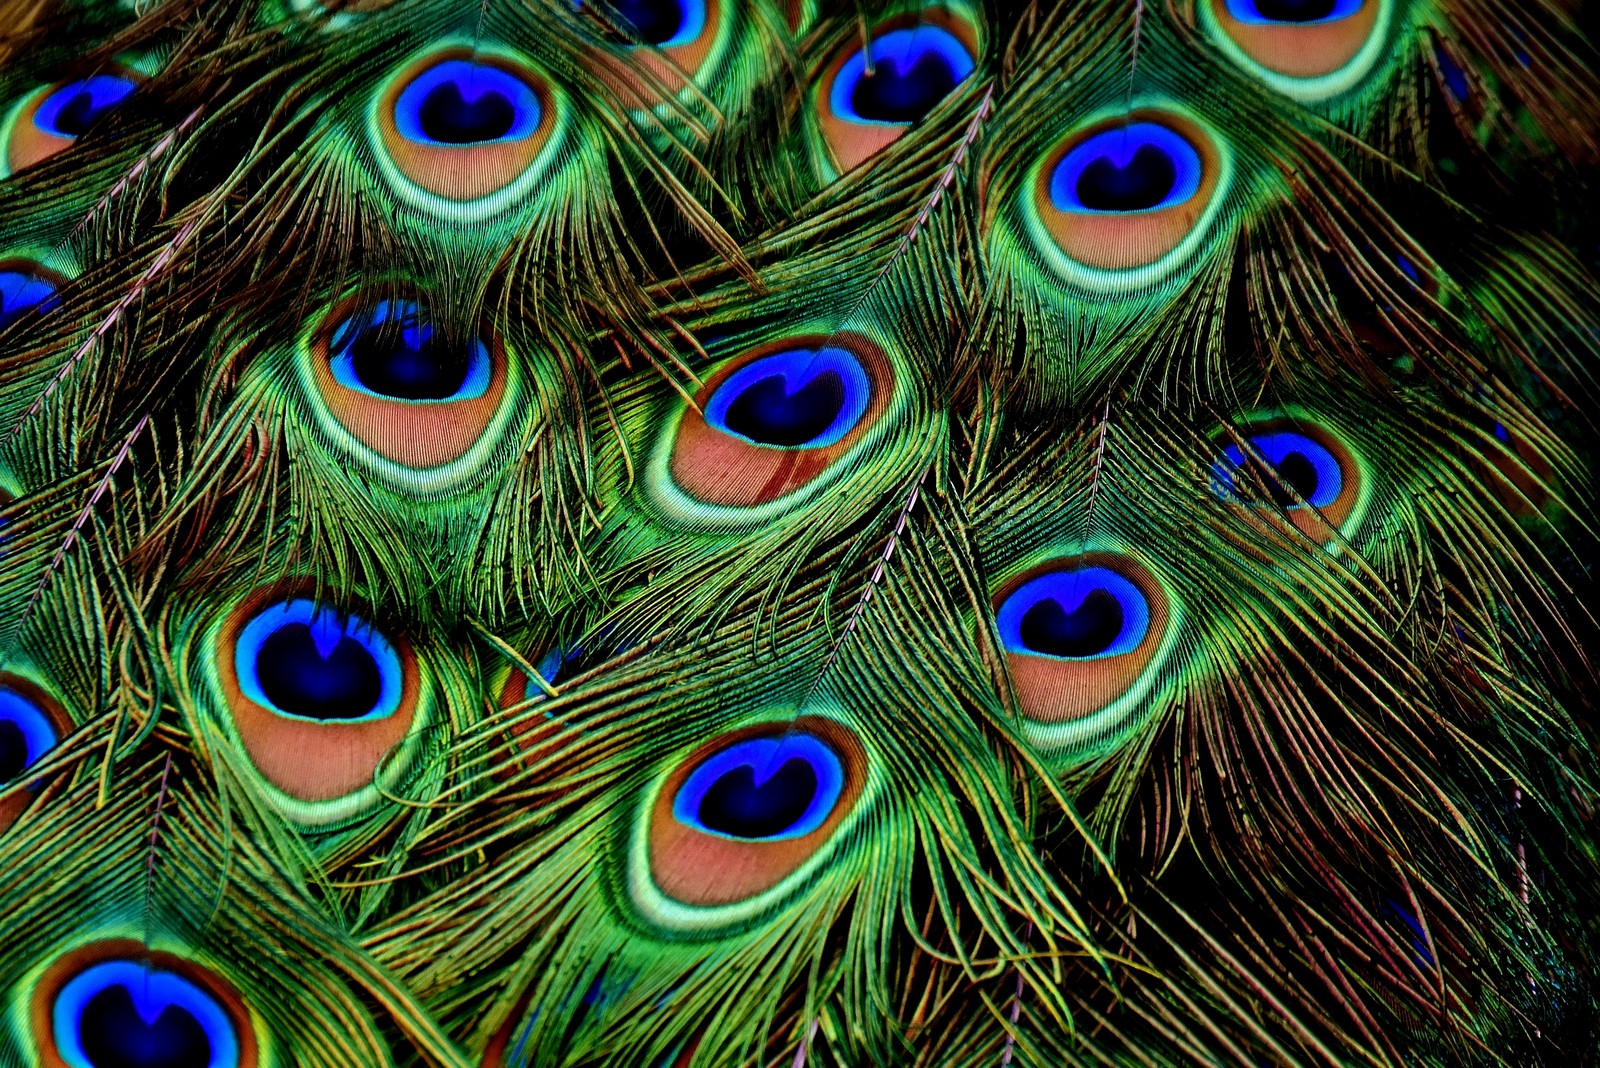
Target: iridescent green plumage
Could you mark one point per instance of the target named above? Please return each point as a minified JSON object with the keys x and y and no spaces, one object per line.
{"x":677,"y":533}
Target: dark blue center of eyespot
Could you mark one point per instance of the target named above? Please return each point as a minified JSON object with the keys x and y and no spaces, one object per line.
{"x":1087,"y":630}
{"x":653,"y":21}
{"x":1293,"y":11}
{"x":13,"y":751}
{"x":392,"y":351}
{"x":1141,"y":166}
{"x":1079,"y":613}
{"x":1298,"y":469}
{"x":114,"y":1035}
{"x":736,"y":805}
{"x":404,"y":359}
{"x":303,"y":660}
{"x":766,"y":411}
{"x":778,"y":787}
{"x":26,"y":735}
{"x":450,"y":118}
{"x":1137,"y":184}
{"x":298,"y":677}
{"x":912,"y":70}
{"x":20,"y":293}
{"x":662,"y":23}
{"x":72,"y":108}
{"x":802,"y":398}
{"x":125,"y":1014}
{"x":890,"y":94}
{"x":459,"y":102}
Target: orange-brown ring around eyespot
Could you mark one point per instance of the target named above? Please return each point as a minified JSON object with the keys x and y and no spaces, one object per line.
{"x":1300,"y":50}
{"x":464,"y":172}
{"x":28,"y":144}
{"x":853,"y":143}
{"x":71,"y":964}
{"x":311,"y":760}
{"x":11,"y":807}
{"x":701,"y":869}
{"x":418,"y":434}
{"x":1119,"y":241}
{"x":641,"y":75}
{"x":1057,"y":690}
{"x":715,"y":467}
{"x":1319,"y":524}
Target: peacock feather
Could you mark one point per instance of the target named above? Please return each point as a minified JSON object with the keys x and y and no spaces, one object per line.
{"x":779,"y":533}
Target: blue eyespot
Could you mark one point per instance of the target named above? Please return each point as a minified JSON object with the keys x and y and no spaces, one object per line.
{"x":391,"y":350}
{"x":26,"y":735}
{"x":1084,"y":613}
{"x":459,"y":102}
{"x":1142,"y":166}
{"x":663,"y":23}
{"x":22,"y":292}
{"x":304,"y":660}
{"x":1300,"y":12}
{"x":801,"y":398}
{"x":127,"y":1014}
{"x":72,"y":108}
{"x":912,"y":70}
{"x":773,"y":788}
{"x":1298,"y":463}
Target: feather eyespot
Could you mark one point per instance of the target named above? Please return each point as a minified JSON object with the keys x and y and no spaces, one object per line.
{"x":31,"y":724}
{"x":318,"y":699}
{"x":742,"y":813}
{"x":459,"y":131}
{"x":26,"y":286}
{"x":666,"y":24}
{"x":388,"y":385}
{"x":867,"y":98}
{"x":668,"y":39}
{"x":118,"y":1004}
{"x":49,"y":120}
{"x":1122,"y":201}
{"x":778,"y":418}
{"x":761,"y":789}
{"x":1082,"y":637}
{"x":303,"y":661}
{"x":1297,"y":466}
{"x":27,"y":732}
{"x":1308,"y":49}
